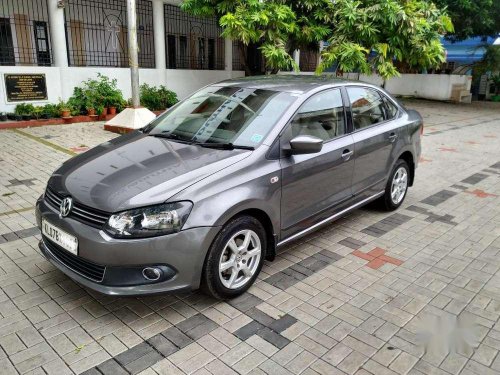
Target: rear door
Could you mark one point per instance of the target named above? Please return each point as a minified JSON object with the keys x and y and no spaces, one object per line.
{"x":375,"y":134}
{"x":314,"y":184}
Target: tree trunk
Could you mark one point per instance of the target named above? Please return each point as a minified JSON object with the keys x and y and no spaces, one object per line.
{"x":243,"y":57}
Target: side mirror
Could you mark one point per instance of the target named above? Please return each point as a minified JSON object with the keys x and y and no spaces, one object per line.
{"x":305,"y":144}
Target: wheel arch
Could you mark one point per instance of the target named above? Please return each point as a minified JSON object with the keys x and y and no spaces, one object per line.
{"x":266,"y":222}
{"x":407,"y":156}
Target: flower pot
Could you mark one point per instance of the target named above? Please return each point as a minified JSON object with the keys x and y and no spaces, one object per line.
{"x":65,"y":113}
{"x":91,"y":112}
{"x":111,"y":110}
{"x":104,"y":111}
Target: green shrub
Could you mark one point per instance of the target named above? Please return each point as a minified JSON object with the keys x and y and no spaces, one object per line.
{"x":78,"y":102}
{"x":157,"y":98}
{"x":52,"y":110}
{"x":97,"y":94}
{"x":24,"y":109}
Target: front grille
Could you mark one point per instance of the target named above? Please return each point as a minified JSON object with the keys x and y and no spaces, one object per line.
{"x":80,"y":212}
{"x":92,"y":271}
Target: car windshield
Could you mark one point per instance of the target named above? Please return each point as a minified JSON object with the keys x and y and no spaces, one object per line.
{"x":223,"y":115}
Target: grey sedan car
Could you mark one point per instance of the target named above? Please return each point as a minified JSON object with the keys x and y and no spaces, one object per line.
{"x":217,"y":184}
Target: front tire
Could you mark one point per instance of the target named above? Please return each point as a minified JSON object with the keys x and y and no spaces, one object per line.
{"x":397,"y":186}
{"x":235,"y":258}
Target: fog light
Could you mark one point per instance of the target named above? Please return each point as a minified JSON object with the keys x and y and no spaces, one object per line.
{"x":151,"y":274}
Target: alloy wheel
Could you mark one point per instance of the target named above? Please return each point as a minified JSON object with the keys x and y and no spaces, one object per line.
{"x":240,"y":259}
{"x":399,"y":185}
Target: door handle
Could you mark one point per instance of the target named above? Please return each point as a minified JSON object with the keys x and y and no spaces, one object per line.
{"x":346,"y":155}
{"x":393,"y":137}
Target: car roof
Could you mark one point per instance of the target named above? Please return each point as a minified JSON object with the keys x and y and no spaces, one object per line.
{"x":289,"y":82}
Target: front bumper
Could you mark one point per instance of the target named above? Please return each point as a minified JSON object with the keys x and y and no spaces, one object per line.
{"x":180,"y":256}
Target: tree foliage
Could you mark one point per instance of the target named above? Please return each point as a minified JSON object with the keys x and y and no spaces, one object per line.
{"x":490,"y":61}
{"x":383,"y":36}
{"x":473,"y":17}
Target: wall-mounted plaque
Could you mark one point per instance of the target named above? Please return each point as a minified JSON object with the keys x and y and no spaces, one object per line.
{"x":25,"y":87}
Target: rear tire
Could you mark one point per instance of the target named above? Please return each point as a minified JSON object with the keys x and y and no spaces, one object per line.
{"x":235,"y":258}
{"x":397,"y":187}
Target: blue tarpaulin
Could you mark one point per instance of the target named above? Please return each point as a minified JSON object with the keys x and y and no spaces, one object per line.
{"x":467,"y":51}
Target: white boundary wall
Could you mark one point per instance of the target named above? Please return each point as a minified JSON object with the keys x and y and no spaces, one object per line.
{"x":61,"y":81}
{"x":426,"y":86}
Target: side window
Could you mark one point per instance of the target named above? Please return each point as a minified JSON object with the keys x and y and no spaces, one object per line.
{"x":320,"y":116}
{"x":390,"y":109}
{"x":366,"y":105}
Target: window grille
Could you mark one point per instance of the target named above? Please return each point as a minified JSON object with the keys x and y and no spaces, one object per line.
{"x":192,"y":42}
{"x":96,"y":33}
{"x":237,"y":59}
{"x":24,"y":33}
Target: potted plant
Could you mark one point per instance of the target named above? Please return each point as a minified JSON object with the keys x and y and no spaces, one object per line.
{"x":65,"y":109}
{"x":65,"y":112}
{"x":37,"y":112}
{"x":51,"y":111}
{"x":24,"y":111}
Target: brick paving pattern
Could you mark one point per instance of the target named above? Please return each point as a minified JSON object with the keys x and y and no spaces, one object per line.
{"x":356,"y":297}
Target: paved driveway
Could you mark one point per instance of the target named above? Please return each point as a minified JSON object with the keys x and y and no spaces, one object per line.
{"x":374,"y":292}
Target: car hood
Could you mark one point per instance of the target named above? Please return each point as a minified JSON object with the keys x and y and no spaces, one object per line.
{"x":137,"y":170}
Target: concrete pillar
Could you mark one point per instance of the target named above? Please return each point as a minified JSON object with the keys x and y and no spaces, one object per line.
{"x":296,"y":57}
{"x":228,"y":55}
{"x":321,"y":47}
{"x":57,"y":34}
{"x":133,"y":50}
{"x":159,"y":34}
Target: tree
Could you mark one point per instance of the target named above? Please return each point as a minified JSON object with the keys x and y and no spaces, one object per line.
{"x":473,"y":17}
{"x":490,"y":61}
{"x":383,"y":36}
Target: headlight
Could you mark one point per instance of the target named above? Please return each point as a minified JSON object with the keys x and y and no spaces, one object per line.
{"x":149,"y":221}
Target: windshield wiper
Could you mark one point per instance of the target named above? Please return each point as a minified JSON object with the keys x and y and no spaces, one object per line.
{"x":173,"y":137}
{"x":223,"y":146}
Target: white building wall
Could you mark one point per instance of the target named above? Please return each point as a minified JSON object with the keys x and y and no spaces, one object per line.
{"x":61,"y":81}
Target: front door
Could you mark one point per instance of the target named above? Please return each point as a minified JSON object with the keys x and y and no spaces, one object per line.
{"x":375,"y":136}
{"x":42,"y":43}
{"x":313,"y":185}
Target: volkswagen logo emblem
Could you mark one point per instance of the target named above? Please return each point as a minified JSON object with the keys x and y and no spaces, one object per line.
{"x":65,"y":207}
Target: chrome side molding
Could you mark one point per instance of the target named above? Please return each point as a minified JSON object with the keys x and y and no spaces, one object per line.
{"x":328,"y":219}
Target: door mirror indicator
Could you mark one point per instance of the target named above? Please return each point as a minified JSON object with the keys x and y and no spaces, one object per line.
{"x":305,"y":144}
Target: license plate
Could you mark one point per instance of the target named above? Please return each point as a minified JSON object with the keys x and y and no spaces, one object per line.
{"x":60,"y":237}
